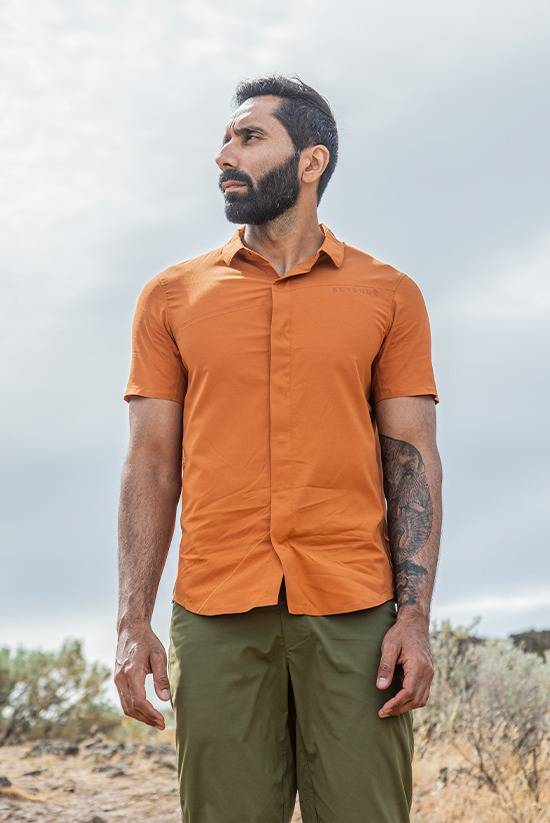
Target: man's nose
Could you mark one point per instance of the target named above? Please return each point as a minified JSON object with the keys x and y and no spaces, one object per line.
{"x":226,"y":158}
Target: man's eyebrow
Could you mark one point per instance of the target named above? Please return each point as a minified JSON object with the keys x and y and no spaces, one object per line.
{"x":244,"y":130}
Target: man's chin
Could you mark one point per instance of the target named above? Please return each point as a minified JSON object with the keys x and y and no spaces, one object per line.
{"x":233,"y":216}
{"x":239,"y":215}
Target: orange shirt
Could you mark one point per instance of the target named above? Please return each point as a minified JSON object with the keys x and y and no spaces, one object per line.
{"x":277,"y":377}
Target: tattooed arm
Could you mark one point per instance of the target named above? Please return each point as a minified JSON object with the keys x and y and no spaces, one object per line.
{"x":412,"y":477}
{"x":412,"y":485}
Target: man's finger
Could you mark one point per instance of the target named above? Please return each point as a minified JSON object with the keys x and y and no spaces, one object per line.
{"x":124,"y":702}
{"x":136,"y":683}
{"x":123,"y":690}
{"x":390,"y":653}
{"x":399,"y":700}
{"x":128,"y":706}
{"x":397,"y":710}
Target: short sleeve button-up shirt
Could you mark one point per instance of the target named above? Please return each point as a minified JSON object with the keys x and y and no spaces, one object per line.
{"x":277,"y":377}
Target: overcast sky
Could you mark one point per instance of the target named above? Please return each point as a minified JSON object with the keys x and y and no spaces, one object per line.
{"x":112,"y":115}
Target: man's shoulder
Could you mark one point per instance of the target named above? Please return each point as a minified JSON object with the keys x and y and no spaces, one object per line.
{"x":185,"y":271}
{"x":379,"y":273}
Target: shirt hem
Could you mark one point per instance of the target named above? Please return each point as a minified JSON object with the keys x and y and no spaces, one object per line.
{"x":407,"y":393}
{"x":352,"y":606}
{"x":159,"y":395}
{"x":267,"y":601}
{"x":297,"y":608}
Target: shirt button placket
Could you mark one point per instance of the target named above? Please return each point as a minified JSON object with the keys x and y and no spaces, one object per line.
{"x":280,"y":414}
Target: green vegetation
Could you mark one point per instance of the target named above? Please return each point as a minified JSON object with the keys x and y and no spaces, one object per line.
{"x":46,"y":695}
{"x":490,"y":700}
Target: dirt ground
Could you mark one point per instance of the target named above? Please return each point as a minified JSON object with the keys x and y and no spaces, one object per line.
{"x":97,"y":781}
{"x":100,"y":781}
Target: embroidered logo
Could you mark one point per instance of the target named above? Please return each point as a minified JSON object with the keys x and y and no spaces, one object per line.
{"x":356,"y":290}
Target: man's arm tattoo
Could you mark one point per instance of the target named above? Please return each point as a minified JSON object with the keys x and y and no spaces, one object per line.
{"x":410,"y":513}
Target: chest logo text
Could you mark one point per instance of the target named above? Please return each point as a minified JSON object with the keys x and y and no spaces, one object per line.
{"x":355,"y":290}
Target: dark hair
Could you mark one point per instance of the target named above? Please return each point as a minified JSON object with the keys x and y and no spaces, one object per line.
{"x":304,"y":113}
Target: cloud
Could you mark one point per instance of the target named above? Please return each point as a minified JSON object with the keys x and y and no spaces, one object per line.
{"x":112,"y":120}
{"x":511,"y":289}
{"x":514,"y":604}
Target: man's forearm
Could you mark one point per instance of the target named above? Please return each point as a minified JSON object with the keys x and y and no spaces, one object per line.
{"x":412,"y":485}
{"x":148,"y":502}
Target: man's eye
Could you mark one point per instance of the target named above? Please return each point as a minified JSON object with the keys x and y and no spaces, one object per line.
{"x":248,"y":136}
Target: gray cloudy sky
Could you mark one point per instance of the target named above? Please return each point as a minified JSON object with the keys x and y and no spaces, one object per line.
{"x":112,"y":115}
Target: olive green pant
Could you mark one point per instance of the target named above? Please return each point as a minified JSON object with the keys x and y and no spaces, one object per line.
{"x":269,"y":703}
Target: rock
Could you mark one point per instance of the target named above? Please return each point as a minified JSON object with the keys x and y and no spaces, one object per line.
{"x":442,"y":778}
{"x":102,"y":748}
{"x":166,"y":764}
{"x":111,"y":771}
{"x":55,"y":747}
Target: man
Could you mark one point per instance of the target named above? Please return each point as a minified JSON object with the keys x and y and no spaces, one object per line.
{"x":290,"y":374}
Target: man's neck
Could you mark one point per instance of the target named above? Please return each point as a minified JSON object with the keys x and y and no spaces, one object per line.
{"x":285,"y":241}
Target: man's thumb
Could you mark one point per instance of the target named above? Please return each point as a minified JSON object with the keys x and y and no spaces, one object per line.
{"x":386,"y":667}
{"x":160,"y":677}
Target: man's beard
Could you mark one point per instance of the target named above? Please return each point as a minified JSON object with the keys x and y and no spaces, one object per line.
{"x":276,"y":192}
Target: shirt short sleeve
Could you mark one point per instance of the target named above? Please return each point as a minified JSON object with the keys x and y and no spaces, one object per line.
{"x":156,"y":366}
{"x":403,"y":365}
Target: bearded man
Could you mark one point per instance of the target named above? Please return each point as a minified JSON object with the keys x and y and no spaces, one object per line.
{"x":282,"y":385}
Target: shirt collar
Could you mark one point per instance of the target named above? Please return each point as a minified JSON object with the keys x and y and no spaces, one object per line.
{"x":331,"y":245}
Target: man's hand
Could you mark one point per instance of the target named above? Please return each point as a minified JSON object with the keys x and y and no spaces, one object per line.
{"x":139,"y":653}
{"x":407,"y":642}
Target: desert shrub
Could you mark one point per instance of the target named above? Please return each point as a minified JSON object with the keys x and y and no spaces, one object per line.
{"x":52,"y":694}
{"x":534,"y":640}
{"x":454,"y":672}
{"x":494,"y":697}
